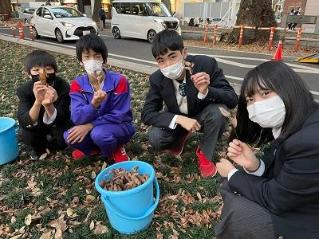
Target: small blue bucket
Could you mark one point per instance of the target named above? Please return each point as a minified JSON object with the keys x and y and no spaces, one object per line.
{"x":132,"y":210}
{"x":8,"y":140}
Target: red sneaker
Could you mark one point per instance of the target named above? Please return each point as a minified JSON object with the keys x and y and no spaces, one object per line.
{"x":206,"y":167}
{"x":120,"y":155}
{"x":77,"y":154}
{"x":179,"y":149}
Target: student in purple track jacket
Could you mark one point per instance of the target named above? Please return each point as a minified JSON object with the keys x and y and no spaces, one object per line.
{"x":100,"y":105}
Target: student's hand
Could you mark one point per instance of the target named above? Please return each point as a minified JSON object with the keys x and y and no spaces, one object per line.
{"x":78,"y":133}
{"x":39,"y":91}
{"x":242,"y":154}
{"x":189,"y":124}
{"x":224,"y":167}
{"x":201,"y":81}
{"x":50,"y":96}
{"x":98,"y":98}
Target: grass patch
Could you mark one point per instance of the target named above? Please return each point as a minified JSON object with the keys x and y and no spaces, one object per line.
{"x":58,"y":183}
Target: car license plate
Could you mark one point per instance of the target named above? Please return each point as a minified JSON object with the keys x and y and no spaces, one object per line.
{"x":86,"y":32}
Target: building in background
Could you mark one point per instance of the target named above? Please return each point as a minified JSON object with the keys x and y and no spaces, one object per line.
{"x":308,"y":8}
{"x":223,"y":12}
{"x":18,"y":5}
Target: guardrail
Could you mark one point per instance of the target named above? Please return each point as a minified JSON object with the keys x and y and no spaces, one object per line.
{"x":272,"y":30}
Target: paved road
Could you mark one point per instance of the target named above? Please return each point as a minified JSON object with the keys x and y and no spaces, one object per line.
{"x":235,"y":64}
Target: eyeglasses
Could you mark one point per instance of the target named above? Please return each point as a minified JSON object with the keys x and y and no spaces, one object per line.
{"x":182,"y":89}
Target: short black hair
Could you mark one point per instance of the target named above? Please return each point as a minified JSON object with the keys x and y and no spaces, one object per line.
{"x":166,"y":40}
{"x":280,"y":78}
{"x":39,"y":58}
{"x":91,"y":41}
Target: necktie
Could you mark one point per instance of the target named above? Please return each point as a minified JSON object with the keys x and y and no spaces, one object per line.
{"x":182,"y":89}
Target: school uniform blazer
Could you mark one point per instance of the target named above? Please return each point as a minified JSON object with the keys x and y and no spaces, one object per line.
{"x":289,"y":187}
{"x":162,"y":91}
{"x":27,"y":99}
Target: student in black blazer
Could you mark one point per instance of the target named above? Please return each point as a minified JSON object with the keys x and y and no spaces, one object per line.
{"x":276,"y":195}
{"x":43,"y":110}
{"x":192,"y":89}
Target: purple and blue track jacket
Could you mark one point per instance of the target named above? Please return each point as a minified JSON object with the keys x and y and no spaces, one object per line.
{"x":116,"y":109}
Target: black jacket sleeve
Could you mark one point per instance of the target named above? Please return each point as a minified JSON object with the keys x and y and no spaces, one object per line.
{"x":25,"y":103}
{"x":152,"y":113}
{"x":220,"y":91}
{"x":296,"y":184}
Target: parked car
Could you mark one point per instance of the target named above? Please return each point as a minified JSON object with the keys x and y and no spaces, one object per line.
{"x":62,"y":23}
{"x":26,"y":14}
{"x":141,"y":19}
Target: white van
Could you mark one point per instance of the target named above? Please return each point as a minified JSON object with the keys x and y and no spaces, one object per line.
{"x":141,"y":19}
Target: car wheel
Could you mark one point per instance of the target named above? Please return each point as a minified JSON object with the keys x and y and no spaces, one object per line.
{"x":116,"y":33}
{"x":35,"y":33}
{"x":59,"y":35}
{"x":151,"y":35}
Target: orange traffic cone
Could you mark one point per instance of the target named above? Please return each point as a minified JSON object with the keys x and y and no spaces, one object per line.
{"x":278,"y":53}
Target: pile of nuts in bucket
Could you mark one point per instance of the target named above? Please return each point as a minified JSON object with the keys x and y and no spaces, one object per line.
{"x":123,"y":180}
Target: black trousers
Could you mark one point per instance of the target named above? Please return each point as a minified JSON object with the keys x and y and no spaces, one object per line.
{"x":242,"y":218}
{"x":213,"y":125}
{"x":40,"y":139}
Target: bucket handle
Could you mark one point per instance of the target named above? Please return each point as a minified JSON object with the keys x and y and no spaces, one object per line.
{"x":148,"y":212}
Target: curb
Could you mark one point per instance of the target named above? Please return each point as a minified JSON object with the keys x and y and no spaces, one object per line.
{"x":71,"y":52}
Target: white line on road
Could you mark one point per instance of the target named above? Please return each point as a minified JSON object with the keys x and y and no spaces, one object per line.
{"x":133,"y":58}
{"x":297,"y":68}
{"x":234,"y":77}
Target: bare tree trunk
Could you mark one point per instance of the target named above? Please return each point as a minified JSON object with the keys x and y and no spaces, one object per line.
{"x":254,"y":13}
{"x":5,"y":8}
{"x":97,"y":6}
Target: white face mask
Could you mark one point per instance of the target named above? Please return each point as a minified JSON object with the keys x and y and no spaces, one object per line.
{"x":174,"y":71}
{"x":92,"y":66}
{"x":269,"y":113}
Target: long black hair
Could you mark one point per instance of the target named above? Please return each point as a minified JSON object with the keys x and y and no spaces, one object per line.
{"x":280,"y":78}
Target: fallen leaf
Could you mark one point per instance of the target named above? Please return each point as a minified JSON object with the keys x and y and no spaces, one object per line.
{"x":104,"y":166}
{"x":59,"y":223}
{"x":58,"y":234}
{"x":28,"y":220}
{"x":69,"y":212}
{"x":100,"y":229}
{"x":13,"y":219}
{"x":199,"y":196}
{"x":22,"y":230}
{"x":43,"y":156}
{"x":93,"y":175}
{"x":16,"y":237}
{"x":90,"y":198}
{"x":92,"y":225}
{"x":46,"y":235}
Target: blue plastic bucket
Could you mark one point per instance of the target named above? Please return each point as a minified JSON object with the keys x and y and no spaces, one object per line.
{"x":132,"y":210}
{"x":8,"y":140}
